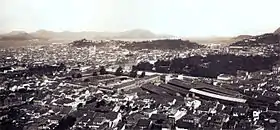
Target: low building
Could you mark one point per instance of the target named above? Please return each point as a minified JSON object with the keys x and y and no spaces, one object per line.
{"x":137,"y":83}
{"x":143,"y":124}
{"x":224,"y":77}
{"x":217,"y":96}
{"x":113,"y":118}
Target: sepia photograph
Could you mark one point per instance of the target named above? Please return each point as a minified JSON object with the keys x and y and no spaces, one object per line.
{"x":139,"y":65}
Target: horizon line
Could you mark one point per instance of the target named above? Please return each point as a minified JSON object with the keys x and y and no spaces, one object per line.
{"x":190,"y":36}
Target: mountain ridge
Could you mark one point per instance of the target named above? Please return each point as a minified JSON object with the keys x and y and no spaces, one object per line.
{"x":129,"y":34}
{"x":259,"y":40}
{"x":16,"y":36}
{"x":277,"y":31}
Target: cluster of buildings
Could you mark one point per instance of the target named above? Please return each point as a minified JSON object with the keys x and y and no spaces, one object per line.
{"x":39,"y":89}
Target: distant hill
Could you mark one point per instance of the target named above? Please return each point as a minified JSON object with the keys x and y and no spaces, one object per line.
{"x":242,"y":37}
{"x":140,"y":34}
{"x":166,"y":44}
{"x":43,"y":34}
{"x":16,"y":33}
{"x":260,"y":40}
{"x":207,"y":41}
{"x":137,"y":33}
{"x":16,"y":36}
{"x":130,"y":34}
{"x":20,"y":38}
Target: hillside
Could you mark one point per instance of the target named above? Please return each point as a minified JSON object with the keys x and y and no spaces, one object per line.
{"x":277,"y":31}
{"x":16,"y":36}
{"x":224,"y":41}
{"x":260,"y":40}
{"x":43,"y":34}
{"x":176,"y":44}
{"x":20,"y":38}
{"x":242,"y":37}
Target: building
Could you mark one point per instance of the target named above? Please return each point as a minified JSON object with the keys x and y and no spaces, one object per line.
{"x":137,"y":83}
{"x":224,"y":77}
{"x":217,"y":96}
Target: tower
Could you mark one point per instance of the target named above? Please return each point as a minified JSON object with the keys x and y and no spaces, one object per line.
{"x":94,"y":49}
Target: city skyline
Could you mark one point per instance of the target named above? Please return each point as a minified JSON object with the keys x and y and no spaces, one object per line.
{"x":139,"y":64}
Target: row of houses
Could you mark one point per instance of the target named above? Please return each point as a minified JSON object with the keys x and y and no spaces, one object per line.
{"x":125,"y":86}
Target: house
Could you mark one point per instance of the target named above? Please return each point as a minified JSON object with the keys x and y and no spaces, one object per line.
{"x":217,"y":121}
{"x":256,"y":115}
{"x":276,"y":68}
{"x":186,"y":123}
{"x":65,"y":110}
{"x":133,"y":119}
{"x":113,"y":118}
{"x":207,"y":107}
{"x":230,"y":125}
{"x":220,"y":107}
{"x":160,"y":121}
{"x":98,"y":121}
{"x":178,"y":114}
{"x":84,"y":120}
{"x":244,"y":125}
{"x":149,"y":112}
{"x":240,"y":112}
{"x":159,"y":116}
{"x":242,"y":74}
{"x":121,"y":126}
{"x":54,"y":119}
{"x":143,"y":124}
{"x":191,"y":103}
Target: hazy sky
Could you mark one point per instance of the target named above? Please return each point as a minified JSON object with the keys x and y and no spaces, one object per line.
{"x":176,"y":17}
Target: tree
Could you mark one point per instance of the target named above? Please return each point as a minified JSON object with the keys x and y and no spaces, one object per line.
{"x":68,"y":78}
{"x":133,"y":72}
{"x":62,"y":67}
{"x":94,"y":73}
{"x":100,"y":103}
{"x":91,"y":100}
{"x":80,"y":105}
{"x":77,"y":75}
{"x":87,"y":80}
{"x":119,"y":71}
{"x":142,"y":74}
{"x":66,"y":123}
{"x":102,"y":70}
{"x":144,"y":66}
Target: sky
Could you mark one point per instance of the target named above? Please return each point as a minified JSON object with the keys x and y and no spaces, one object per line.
{"x":190,"y":18}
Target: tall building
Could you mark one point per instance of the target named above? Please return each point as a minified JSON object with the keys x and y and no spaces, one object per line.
{"x":92,"y":51}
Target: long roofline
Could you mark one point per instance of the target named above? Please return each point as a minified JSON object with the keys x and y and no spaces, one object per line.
{"x":240,"y":100}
